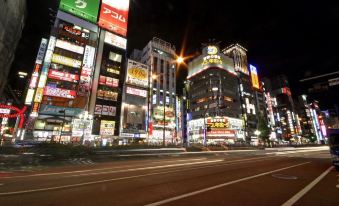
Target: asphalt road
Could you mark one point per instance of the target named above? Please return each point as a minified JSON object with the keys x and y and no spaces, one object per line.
{"x":284,"y":177}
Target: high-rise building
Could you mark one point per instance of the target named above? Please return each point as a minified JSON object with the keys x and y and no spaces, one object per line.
{"x":213,"y":100}
{"x":12,"y":20}
{"x":161,"y":57}
{"x":248,"y":82}
{"x":76,"y":81}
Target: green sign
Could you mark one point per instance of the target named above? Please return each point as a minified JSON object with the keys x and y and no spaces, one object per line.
{"x":85,"y":9}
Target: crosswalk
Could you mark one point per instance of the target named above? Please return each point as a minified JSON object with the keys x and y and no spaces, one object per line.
{"x":81,"y":161}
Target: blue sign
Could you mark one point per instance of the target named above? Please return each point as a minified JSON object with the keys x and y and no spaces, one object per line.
{"x":59,"y":111}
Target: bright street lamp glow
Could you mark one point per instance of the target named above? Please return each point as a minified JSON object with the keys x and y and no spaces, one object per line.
{"x":257,"y":132}
{"x":180,"y":60}
{"x":214,"y":89}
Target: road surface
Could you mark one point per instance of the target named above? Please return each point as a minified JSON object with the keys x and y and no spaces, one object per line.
{"x":271,"y":177}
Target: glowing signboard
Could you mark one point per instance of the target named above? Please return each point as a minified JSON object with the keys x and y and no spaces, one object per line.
{"x":107,"y":127}
{"x":69,"y":47}
{"x":137,"y":92}
{"x":108,"y":81}
{"x":114,"y":16}
{"x":85,"y":9}
{"x":66,"y":61}
{"x":58,"y":92}
{"x":54,"y":74}
{"x":105,"y":110}
{"x":254,"y":77}
{"x":115,"y":40}
{"x":137,"y":74}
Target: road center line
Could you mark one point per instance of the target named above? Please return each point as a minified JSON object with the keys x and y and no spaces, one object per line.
{"x":96,"y":182}
{"x":166,"y":166}
{"x":220,"y":185}
{"x":302,"y":192}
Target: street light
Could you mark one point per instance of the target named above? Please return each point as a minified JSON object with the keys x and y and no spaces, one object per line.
{"x":180,"y":59}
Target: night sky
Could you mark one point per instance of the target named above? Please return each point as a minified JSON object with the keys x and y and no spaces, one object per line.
{"x":296,"y":38}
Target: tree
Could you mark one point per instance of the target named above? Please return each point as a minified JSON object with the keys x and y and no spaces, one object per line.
{"x":264,"y":129}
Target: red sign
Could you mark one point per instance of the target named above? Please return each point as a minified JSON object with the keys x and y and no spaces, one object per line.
{"x":114,"y":16}
{"x":108,"y":81}
{"x":57,"y":92}
{"x":54,"y":74}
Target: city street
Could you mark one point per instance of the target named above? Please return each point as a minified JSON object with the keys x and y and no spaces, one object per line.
{"x":269,"y":177}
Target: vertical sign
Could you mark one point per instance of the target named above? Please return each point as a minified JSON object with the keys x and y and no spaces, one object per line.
{"x":114,"y":16}
{"x":254,"y":76}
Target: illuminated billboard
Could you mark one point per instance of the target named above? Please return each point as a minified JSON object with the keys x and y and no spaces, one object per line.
{"x":66,"y":61}
{"x":210,"y":58}
{"x":108,"y":81}
{"x":105,"y":110}
{"x":69,"y":47}
{"x":64,"y":76}
{"x":85,"y":9}
{"x":137,"y":92}
{"x":107,"y":128}
{"x":115,"y":40}
{"x":137,"y":74}
{"x":254,"y":76}
{"x":58,"y":92}
{"x":114,"y":16}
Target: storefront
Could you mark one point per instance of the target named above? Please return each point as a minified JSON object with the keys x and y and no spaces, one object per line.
{"x":218,"y":130}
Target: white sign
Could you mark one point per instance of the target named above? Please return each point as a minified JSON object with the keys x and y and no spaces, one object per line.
{"x":115,"y":40}
{"x":105,"y":110}
{"x":137,"y":92}
{"x":137,"y":74}
{"x":69,"y":47}
{"x":42,"y":51}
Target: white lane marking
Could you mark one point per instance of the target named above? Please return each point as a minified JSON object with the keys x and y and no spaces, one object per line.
{"x":165,"y":166}
{"x":220,"y":185}
{"x":100,"y":181}
{"x":92,"y":170}
{"x":62,"y":173}
{"x":302,"y":192}
{"x":296,"y":151}
{"x":185,"y":160}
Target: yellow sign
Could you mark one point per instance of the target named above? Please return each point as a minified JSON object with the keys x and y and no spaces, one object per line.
{"x":38,"y":95}
{"x":66,"y":61}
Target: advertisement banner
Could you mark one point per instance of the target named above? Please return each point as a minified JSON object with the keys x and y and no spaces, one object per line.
{"x":54,"y":74}
{"x":114,"y":16}
{"x":137,"y":74}
{"x":108,"y":81}
{"x":34,"y":80}
{"x":107,"y":128}
{"x":42,"y":51}
{"x":254,"y":77}
{"x":59,"y":111}
{"x":57,"y":92}
{"x":69,"y":47}
{"x":29,"y":96}
{"x":107,"y":95}
{"x":137,"y":92}
{"x":38,"y":95}
{"x":105,"y":110}
{"x":85,"y":9}
{"x":66,"y":61}
{"x":115,"y":40}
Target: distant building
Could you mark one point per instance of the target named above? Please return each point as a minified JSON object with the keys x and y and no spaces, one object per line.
{"x":161,"y":57}
{"x":12,"y":20}
{"x":324,"y":88}
{"x":284,"y":120}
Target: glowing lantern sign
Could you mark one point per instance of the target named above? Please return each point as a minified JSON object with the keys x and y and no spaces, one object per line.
{"x":14,"y":115}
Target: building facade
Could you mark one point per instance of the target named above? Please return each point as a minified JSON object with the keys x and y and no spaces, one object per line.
{"x":161,"y":57}
{"x":214,"y":114}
